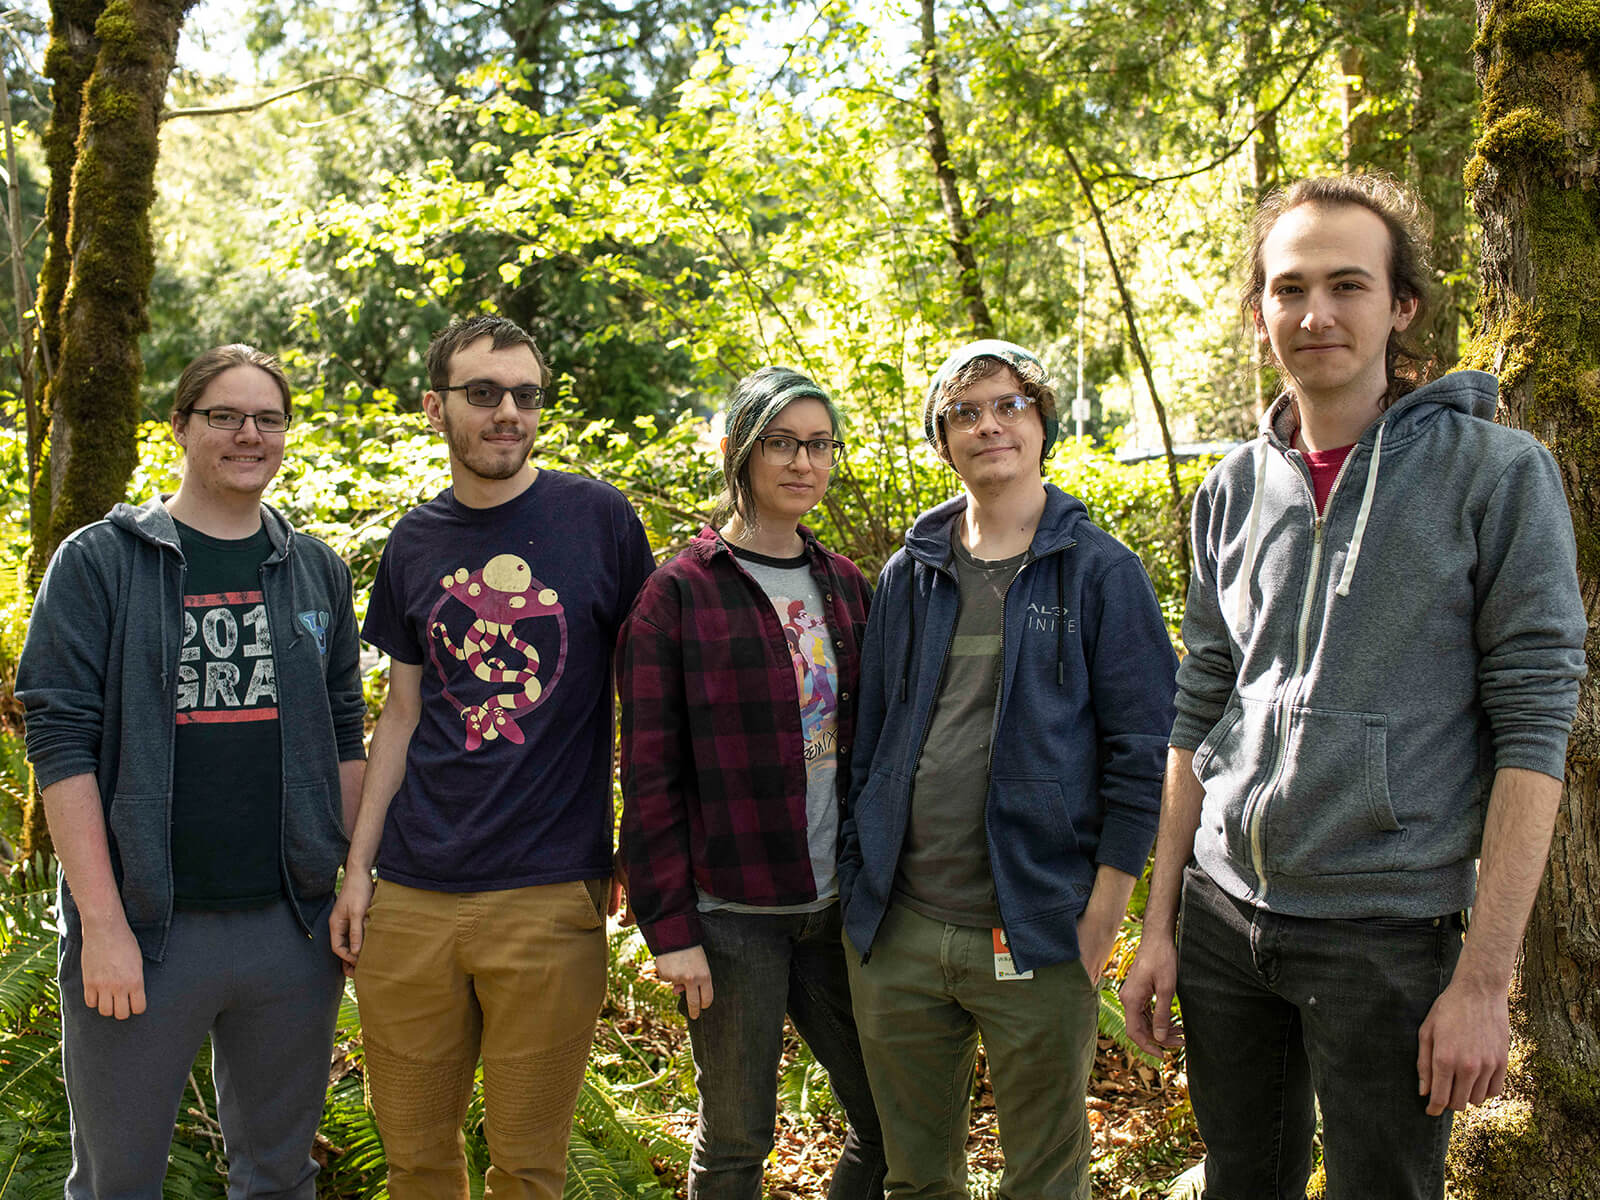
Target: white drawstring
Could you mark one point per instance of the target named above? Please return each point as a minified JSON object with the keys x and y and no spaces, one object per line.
{"x":1252,"y":537}
{"x":1361,"y":518}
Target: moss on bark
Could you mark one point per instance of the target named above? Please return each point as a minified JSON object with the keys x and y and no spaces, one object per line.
{"x":69,"y":61}
{"x":97,"y":280}
{"x":1535,"y":181}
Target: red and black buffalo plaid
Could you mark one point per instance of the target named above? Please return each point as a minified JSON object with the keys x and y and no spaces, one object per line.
{"x":713,"y":757}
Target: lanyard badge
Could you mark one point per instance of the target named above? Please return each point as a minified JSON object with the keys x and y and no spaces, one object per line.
{"x":1004,"y":967}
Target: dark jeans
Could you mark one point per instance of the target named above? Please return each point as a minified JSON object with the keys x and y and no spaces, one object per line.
{"x":764,"y":965}
{"x":1282,"y":1014}
{"x":266,"y":993}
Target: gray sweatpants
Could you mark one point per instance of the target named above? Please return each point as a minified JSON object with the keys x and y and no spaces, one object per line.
{"x":269,"y":997}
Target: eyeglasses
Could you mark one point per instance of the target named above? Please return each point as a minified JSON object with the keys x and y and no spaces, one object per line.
{"x":779,"y":449}
{"x":226,"y":418}
{"x":481,"y":393}
{"x":965,"y":414}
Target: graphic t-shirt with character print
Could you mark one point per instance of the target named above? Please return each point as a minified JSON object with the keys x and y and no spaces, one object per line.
{"x":512,"y":613}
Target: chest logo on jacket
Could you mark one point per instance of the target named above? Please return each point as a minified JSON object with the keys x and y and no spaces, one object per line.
{"x":316,"y":624}
{"x":502,"y":599}
{"x":1043,"y":617}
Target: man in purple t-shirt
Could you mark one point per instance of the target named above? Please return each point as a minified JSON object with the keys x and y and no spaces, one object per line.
{"x":473,"y":910}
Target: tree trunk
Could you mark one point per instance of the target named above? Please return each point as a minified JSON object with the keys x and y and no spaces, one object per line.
{"x":1441,"y":123}
{"x":1355,"y":118}
{"x":1533,"y":181}
{"x":69,"y":61}
{"x":96,"y":284}
{"x":978,"y":318}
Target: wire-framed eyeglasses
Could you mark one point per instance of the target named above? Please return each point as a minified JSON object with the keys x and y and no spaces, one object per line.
{"x":964,"y":415}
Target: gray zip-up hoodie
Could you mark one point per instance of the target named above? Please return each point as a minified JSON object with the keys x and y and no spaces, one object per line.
{"x":1354,"y":681}
{"x":98,"y":680}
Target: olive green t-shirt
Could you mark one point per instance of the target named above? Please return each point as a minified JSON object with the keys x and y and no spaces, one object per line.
{"x":944,"y":871}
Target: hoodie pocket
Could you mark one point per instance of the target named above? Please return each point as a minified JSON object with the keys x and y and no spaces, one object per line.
{"x":1231,"y":763}
{"x":1330,"y":813}
{"x":314,"y":842}
{"x":139,"y":832}
{"x":1037,"y":837}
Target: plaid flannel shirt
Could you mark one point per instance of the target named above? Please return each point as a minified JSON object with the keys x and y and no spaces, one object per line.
{"x":713,"y":757}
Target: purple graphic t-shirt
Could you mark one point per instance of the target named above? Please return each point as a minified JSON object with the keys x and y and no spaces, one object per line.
{"x":512,"y":613}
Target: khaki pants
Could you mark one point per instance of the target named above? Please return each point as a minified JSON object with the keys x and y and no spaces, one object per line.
{"x":516,"y":976}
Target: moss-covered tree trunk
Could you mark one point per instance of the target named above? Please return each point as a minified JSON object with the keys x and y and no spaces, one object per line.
{"x":97,"y":283}
{"x":69,"y":62}
{"x":1534,"y":182}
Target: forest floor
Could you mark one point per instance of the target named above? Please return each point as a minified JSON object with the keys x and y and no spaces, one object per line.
{"x":1139,"y":1116}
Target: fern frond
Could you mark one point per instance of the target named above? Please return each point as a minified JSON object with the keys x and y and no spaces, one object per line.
{"x":619,"y":1131}
{"x":628,"y":988}
{"x":34,"y":1160}
{"x":27,"y":979}
{"x":193,"y":1174}
{"x":594,"y":1174}
{"x":30,"y":1072}
{"x":359,"y":1167}
{"x":589,"y":1173}
{"x":1114,"y":1025}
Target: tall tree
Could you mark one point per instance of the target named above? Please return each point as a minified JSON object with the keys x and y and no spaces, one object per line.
{"x":1534,"y":182}
{"x":980,"y":323}
{"x":97,"y":277}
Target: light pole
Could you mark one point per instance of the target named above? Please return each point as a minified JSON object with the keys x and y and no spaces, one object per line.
{"x":1080,"y":406}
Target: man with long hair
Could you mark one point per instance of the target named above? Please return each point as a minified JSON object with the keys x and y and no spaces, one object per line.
{"x":1385,"y":641}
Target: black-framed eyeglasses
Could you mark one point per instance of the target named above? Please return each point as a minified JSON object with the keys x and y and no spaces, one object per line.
{"x":965,"y":414}
{"x":484,"y":393}
{"x":779,"y":449}
{"x":227,"y":418}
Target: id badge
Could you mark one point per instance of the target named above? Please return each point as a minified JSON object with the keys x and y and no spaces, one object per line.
{"x":1004,"y":967}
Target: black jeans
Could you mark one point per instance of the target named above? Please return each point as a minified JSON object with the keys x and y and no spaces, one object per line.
{"x":764,"y":965}
{"x":1285,"y":1014}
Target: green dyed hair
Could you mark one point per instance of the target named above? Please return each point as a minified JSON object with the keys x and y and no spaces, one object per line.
{"x":756,"y":403}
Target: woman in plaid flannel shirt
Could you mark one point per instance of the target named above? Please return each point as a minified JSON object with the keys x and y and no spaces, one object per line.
{"x":737,"y":671}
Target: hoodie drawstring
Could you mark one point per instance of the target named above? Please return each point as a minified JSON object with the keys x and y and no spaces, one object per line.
{"x":911,"y":645}
{"x":1361,"y":518}
{"x":165,"y":659}
{"x":1252,"y":539}
{"x":1061,"y":620}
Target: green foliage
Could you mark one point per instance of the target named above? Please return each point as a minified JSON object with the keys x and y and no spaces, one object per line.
{"x":33,"y":1119}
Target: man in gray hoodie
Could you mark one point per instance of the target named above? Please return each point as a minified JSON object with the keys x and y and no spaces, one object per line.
{"x":1385,"y":643}
{"x":194,"y":715}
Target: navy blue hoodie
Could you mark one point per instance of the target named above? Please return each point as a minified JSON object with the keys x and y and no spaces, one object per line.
{"x":1082,"y":718}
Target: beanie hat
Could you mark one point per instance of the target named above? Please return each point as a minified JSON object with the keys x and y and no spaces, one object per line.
{"x":1014,"y":356}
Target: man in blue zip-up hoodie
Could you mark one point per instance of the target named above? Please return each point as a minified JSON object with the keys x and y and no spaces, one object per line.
{"x":1385,"y":641}
{"x":1016,"y":693}
{"x":194,"y":713}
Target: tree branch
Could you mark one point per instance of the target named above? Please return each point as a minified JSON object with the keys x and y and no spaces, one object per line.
{"x":1180,"y":517}
{"x":284,"y":93}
